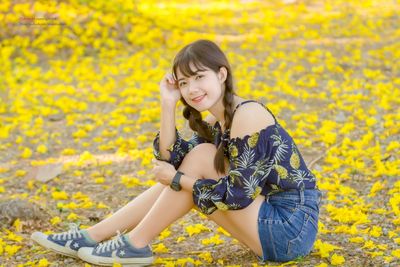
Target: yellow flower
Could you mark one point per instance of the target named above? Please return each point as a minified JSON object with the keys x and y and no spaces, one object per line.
{"x":68,"y":152}
{"x":101,"y":205}
{"x":392,"y":146}
{"x":17,"y":225}
{"x":43,"y":263}
{"x":27,"y":153}
{"x":71,"y":205}
{"x":99,"y":180}
{"x":206,"y":256}
{"x":55,"y":220}
{"x":130,"y":181}
{"x":80,"y":134}
{"x":196,"y":229}
{"x":42,"y":149}
{"x":357,"y":240}
{"x":392,"y":234}
{"x":214,"y":240}
{"x":222,"y":231}
{"x":164,"y":234}
{"x":85,"y":156}
{"x":377,"y":186}
{"x":12,"y":249}
{"x":30,"y":184}
{"x":20,"y":173}
{"x":12,"y":236}
{"x":337,"y":259}
{"x":160,"y":248}
{"x":376,"y":231}
{"x":142,"y":138}
{"x":369,"y":244}
{"x":59,"y":195}
{"x":72,"y":216}
{"x":180,"y":239}
{"x":78,"y":173}
{"x":324,"y":248}
{"x":396,"y":253}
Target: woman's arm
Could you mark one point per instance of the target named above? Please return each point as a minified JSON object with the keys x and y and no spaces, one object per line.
{"x":170,"y":95}
{"x":167,"y":130}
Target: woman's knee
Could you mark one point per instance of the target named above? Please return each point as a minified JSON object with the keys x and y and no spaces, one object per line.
{"x":203,"y":152}
{"x":200,"y":159}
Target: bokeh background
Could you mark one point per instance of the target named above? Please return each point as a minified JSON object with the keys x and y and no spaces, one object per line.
{"x":79,"y":109}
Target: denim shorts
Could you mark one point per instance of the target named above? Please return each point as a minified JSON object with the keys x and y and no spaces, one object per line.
{"x":288,"y":224}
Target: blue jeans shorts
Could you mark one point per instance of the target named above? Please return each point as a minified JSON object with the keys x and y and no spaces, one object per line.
{"x":288,"y":224}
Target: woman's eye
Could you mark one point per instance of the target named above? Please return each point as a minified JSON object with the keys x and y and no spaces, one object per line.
{"x":181,"y":84}
{"x":199,"y":76}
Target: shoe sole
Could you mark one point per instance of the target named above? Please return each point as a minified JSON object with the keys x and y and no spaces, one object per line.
{"x":42,"y":240}
{"x":83,"y":254}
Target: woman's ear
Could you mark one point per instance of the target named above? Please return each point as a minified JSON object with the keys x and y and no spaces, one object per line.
{"x":222,"y":74}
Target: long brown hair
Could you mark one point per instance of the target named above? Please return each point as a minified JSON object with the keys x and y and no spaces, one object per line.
{"x":205,"y":53}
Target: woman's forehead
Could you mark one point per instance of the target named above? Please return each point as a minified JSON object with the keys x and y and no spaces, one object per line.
{"x":193,"y":69}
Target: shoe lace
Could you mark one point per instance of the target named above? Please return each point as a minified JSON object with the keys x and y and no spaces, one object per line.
{"x":73,"y":232}
{"x":112,"y":244}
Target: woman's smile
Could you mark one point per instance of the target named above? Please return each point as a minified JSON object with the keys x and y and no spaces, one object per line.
{"x":198,"y":99}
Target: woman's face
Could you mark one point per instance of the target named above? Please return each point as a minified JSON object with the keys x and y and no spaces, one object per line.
{"x":202,"y":90}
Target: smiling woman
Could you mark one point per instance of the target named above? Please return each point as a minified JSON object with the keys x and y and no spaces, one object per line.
{"x":240,"y":168}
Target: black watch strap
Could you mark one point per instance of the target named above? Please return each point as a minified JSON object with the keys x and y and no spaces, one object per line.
{"x":175,"y":184}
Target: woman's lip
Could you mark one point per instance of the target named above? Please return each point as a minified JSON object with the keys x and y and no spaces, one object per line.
{"x":197,"y":99}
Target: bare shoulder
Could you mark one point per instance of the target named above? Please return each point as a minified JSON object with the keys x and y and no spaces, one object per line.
{"x":250,"y":118}
{"x":210,"y":119}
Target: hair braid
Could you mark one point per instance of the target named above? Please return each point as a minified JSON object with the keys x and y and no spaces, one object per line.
{"x":219,"y":163}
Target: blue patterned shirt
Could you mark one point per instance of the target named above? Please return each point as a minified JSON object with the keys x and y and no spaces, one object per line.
{"x":265,"y":162}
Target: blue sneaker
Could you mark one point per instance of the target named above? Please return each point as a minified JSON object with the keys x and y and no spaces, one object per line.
{"x":66,"y":243}
{"x":117,"y":250}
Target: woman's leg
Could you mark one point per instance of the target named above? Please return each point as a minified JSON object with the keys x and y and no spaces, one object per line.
{"x":172,"y":205}
{"x":131,"y":214}
{"x":128,"y":216}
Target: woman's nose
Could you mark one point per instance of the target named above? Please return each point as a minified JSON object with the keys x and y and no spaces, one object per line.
{"x":193,"y":87}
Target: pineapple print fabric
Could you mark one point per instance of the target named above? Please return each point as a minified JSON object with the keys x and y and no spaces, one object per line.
{"x":265,"y":162}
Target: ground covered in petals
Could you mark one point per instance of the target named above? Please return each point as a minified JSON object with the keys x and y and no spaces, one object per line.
{"x":79,"y":109}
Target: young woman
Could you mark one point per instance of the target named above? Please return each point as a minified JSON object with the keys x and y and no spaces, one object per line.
{"x":240,"y":168}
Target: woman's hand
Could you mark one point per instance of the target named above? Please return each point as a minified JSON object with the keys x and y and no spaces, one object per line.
{"x":169,"y":90}
{"x":163,"y":172}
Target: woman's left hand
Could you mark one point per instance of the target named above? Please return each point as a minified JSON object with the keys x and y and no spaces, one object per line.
{"x":163,"y":171}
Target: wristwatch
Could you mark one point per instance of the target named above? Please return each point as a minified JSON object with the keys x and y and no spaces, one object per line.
{"x":175,"y":185}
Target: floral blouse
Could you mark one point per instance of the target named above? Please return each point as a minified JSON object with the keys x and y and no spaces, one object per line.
{"x":265,"y":162}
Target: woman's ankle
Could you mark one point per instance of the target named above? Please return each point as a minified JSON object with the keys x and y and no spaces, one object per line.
{"x":135,"y":242}
{"x":93,"y":236}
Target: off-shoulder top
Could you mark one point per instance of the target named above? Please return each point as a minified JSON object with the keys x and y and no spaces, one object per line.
{"x":265,"y":162}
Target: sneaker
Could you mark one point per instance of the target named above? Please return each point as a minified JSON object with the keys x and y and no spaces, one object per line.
{"x":66,"y":243}
{"x":117,"y":250}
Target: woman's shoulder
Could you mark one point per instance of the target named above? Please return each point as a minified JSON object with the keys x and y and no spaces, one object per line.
{"x":250,"y":119}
